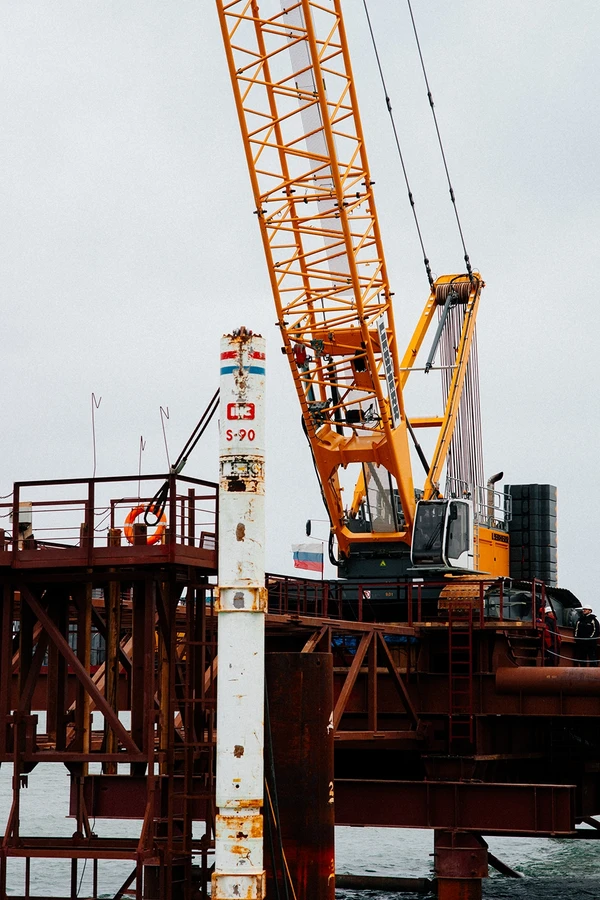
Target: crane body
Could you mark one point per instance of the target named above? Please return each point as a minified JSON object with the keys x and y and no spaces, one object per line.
{"x":295,"y":97}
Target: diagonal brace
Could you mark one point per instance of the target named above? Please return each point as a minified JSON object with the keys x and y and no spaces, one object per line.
{"x":351,"y":677}
{"x":399,"y":683}
{"x":82,"y":675}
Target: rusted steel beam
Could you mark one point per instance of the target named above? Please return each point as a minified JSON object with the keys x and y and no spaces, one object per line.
{"x":138,"y":664}
{"x":351,"y":678}
{"x":103,"y":626}
{"x":28,"y":687}
{"x":384,"y":883}
{"x":112,"y":599}
{"x":82,"y":848}
{"x":26,"y":641}
{"x":312,"y":644}
{"x":489,"y":808}
{"x":83,"y":676}
{"x":76,"y":756}
{"x":371,"y":735}
{"x":56,"y":684}
{"x":549,"y":680}
{"x":6,"y":634}
{"x":341,"y":625}
{"x":82,"y":736}
{"x":126,"y":796}
{"x":372,"y":685}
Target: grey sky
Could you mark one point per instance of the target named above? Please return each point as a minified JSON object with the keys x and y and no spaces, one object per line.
{"x":129,"y":244}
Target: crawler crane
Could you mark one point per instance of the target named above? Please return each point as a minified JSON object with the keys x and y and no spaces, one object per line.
{"x":296,"y":102}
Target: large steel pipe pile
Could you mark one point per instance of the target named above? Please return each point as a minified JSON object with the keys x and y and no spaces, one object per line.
{"x":548,"y":680}
{"x":299,"y":755}
{"x":241,"y":626}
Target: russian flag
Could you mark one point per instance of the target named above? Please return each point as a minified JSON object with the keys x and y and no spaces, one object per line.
{"x":308,"y":556}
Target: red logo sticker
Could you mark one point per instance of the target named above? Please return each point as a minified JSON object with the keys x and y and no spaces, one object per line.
{"x":240,"y":411}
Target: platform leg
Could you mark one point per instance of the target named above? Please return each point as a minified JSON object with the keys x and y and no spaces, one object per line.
{"x":299,"y":729}
{"x":460,"y":864}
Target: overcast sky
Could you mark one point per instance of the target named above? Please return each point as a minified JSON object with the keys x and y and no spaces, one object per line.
{"x":129,"y":244}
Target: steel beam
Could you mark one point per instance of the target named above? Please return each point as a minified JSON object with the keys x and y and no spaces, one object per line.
{"x":488,"y":808}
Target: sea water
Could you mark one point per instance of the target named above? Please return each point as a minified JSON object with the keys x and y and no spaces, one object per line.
{"x":556,"y":869}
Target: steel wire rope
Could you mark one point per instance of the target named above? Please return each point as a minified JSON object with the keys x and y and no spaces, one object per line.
{"x":440,"y":142}
{"x":388,"y":104}
{"x":273,"y":799}
{"x":157,"y":505}
{"x":85,"y":862}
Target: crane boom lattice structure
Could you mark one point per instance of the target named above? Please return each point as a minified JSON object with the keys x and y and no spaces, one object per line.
{"x":304,"y":146}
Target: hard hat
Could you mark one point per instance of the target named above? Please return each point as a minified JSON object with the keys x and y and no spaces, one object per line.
{"x":548,"y":609}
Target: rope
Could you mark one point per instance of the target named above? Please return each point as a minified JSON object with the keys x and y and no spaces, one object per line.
{"x":388,"y":104}
{"x":441,"y":145}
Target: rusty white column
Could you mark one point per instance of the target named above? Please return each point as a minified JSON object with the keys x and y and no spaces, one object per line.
{"x":241,"y":605}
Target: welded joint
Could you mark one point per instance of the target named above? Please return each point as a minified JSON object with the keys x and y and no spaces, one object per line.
{"x":241,"y":599}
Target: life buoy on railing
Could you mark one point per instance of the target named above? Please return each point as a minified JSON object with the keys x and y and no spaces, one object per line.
{"x":132,"y":516}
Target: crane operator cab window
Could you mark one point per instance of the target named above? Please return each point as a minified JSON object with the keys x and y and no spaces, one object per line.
{"x":443,"y":534}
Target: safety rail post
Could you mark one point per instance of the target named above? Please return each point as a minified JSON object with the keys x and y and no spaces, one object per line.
{"x":501,"y":600}
{"x":241,"y":606}
{"x":15,"y":520}
{"x":89,"y":520}
{"x":172,"y":515}
{"x":191,"y":517}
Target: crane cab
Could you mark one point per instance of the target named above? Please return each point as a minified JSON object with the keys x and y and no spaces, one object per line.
{"x":443,"y":536}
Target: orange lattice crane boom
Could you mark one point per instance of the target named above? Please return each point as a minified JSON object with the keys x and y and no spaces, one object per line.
{"x":295,"y":97}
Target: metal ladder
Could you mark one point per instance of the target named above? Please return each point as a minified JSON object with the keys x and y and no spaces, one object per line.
{"x":460,"y":674}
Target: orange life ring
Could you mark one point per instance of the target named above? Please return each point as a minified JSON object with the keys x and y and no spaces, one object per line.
{"x":132,"y":516}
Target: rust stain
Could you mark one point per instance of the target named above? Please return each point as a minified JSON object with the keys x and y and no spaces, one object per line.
{"x":240,"y":531}
{"x":238,"y":751}
{"x":249,"y":804}
{"x":256,"y":827}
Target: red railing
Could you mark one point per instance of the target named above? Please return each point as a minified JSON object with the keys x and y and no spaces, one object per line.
{"x":403,"y":601}
{"x":65,"y":514}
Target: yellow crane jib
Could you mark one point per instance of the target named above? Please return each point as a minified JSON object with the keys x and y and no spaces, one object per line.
{"x":313,"y":194}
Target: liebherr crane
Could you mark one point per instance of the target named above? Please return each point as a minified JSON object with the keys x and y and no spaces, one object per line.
{"x":296,"y":102}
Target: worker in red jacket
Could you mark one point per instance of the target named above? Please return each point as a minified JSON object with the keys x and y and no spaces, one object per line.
{"x":552,"y":638}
